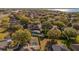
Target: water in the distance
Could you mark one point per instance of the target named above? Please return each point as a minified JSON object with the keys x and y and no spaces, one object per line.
{"x":67,"y":9}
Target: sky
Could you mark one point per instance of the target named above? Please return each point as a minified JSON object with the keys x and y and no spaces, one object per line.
{"x":68,"y":10}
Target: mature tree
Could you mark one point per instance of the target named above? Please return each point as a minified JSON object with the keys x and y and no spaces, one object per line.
{"x":22,"y":36}
{"x":15,"y":27}
{"x":42,"y":20}
{"x":65,"y":21}
{"x":59,"y":24}
{"x":69,"y":35}
{"x":70,"y":32}
{"x":24,"y":20}
{"x":46,"y":26}
{"x":54,"y":33}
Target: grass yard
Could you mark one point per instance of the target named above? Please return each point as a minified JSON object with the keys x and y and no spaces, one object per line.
{"x":2,"y":36}
{"x":2,"y":30}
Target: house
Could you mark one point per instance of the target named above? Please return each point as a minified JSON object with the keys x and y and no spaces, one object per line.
{"x":4,"y":44}
{"x":72,"y":16}
{"x":34,"y":26}
{"x":36,"y":29}
{"x":13,"y":20}
{"x":33,"y":45}
{"x":56,"y":47}
{"x":75,"y":47}
{"x":37,"y":33}
{"x":60,"y":48}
